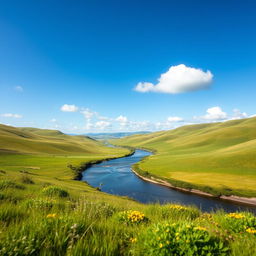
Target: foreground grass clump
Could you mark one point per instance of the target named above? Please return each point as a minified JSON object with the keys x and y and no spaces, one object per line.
{"x":180,"y":239}
{"x":52,"y":191}
{"x":6,"y":184}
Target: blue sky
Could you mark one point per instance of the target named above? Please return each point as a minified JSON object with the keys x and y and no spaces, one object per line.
{"x":75,"y":65}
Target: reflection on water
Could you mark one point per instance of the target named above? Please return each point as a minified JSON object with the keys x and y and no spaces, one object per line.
{"x":115,"y":177}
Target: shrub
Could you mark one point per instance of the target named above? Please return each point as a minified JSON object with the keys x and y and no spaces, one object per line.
{"x":132,"y":217}
{"x":179,"y":239}
{"x":52,"y":191}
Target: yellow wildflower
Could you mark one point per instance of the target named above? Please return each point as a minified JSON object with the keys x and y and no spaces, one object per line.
{"x":235,"y":215}
{"x":133,"y":240}
{"x":160,"y":245}
{"x":200,"y":228}
{"x":178,"y":207}
{"x":251,"y":230}
{"x":51,"y":215}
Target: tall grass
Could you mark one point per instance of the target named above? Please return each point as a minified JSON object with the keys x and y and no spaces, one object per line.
{"x":42,"y":225}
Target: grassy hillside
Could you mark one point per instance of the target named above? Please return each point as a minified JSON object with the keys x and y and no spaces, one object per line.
{"x":43,"y":211}
{"x":48,"y":153}
{"x":215,"y":157}
{"x":41,"y":141}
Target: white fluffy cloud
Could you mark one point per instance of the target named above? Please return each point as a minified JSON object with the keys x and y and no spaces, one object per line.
{"x":215,"y":113}
{"x":173,"y":119}
{"x":69,"y":108}
{"x":178,"y":79}
{"x":10,"y":115}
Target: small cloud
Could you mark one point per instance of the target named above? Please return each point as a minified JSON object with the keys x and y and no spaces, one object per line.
{"x":178,"y":79}
{"x":173,"y":119}
{"x":9,"y":115}
{"x":53,"y":120}
{"x":213,"y":114}
{"x":87,"y":113}
{"x":237,"y":114}
{"x":122,"y":119}
{"x":18,"y":88}
{"x":89,"y":125}
{"x":69,"y":108}
{"x":102,"y":125}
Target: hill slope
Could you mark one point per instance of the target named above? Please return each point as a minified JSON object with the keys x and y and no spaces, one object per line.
{"x":41,"y":141}
{"x":217,"y":155}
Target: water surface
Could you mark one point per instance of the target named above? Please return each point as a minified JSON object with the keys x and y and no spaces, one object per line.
{"x":115,"y":177}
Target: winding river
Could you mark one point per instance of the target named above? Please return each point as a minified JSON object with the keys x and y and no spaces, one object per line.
{"x":115,"y":177}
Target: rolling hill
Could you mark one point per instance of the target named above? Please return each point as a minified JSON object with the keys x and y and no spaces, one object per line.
{"x":42,"y":141}
{"x":215,"y":157}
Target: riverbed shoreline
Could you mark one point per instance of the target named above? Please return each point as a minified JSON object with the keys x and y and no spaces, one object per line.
{"x":232,"y":198}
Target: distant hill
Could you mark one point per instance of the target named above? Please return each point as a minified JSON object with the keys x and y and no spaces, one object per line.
{"x":114,"y":135}
{"x":220,"y":155}
{"x":37,"y":141}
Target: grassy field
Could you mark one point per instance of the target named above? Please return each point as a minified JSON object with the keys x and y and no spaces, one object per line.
{"x":219,"y":158}
{"x":44,"y":211}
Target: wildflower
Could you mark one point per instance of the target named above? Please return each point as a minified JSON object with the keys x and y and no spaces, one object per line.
{"x":51,"y":215}
{"x":251,"y":230}
{"x":133,"y":240}
{"x":178,"y":207}
{"x":160,"y":245}
{"x":200,"y":228}
{"x":235,"y":215}
{"x":135,"y":216}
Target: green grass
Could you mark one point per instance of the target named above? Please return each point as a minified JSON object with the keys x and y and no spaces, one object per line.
{"x":44,"y":211}
{"x":217,"y":157}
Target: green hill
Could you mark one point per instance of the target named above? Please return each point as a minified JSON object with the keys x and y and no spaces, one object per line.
{"x":48,"y":153}
{"x":215,"y":157}
{"x":42,"y":141}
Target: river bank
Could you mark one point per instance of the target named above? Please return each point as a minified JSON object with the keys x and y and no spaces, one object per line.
{"x":232,"y":198}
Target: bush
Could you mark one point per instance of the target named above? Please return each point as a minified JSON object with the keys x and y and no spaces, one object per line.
{"x":52,"y":191}
{"x":179,"y":239}
{"x":132,"y":217}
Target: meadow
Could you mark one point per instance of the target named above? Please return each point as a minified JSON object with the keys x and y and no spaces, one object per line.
{"x":45,"y":211}
{"x":219,"y":158}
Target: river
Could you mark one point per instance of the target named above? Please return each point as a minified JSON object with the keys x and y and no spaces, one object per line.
{"x":115,"y":177}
